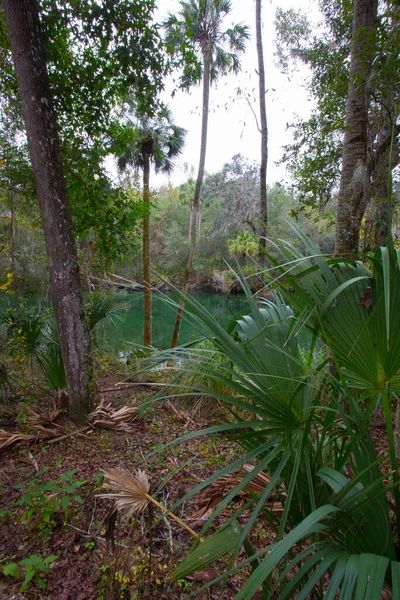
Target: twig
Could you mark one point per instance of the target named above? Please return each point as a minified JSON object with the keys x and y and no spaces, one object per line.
{"x":172,"y":515}
{"x":93,"y":511}
{"x":86,"y":534}
{"x":70,"y":434}
{"x":151,"y":383}
{"x":171,"y":543}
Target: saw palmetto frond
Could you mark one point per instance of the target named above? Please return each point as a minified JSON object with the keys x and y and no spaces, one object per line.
{"x":105,"y":416}
{"x":130,"y":493}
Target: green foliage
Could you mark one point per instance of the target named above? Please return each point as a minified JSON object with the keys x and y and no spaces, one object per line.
{"x":6,"y":516}
{"x":31,"y":333}
{"x":103,"y":305}
{"x":315,"y":154}
{"x":217,"y":545}
{"x":158,"y":138}
{"x":23,"y":325}
{"x":96,"y":54}
{"x":44,"y":500}
{"x":106,"y":221}
{"x":244,"y":243}
{"x":307,"y":426}
{"x":35,"y":568}
{"x":196,"y":34}
{"x":230,"y":208}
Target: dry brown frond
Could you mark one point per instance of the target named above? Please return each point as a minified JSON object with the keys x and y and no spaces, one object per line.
{"x":7,"y":440}
{"x":213,"y":494}
{"x":106,"y":417}
{"x":131,"y":494}
{"x":130,"y":491}
{"x":44,"y":419}
{"x":44,"y":432}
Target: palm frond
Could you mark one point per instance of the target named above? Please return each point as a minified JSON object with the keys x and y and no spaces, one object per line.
{"x":105,"y":416}
{"x":103,"y":305}
{"x":131,"y":494}
{"x":128,"y":491}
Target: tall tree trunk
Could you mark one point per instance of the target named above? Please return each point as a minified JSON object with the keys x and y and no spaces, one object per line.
{"x":196,"y":206}
{"x":12,"y":235}
{"x":379,"y":192}
{"x":354,"y":180}
{"x":146,"y":252}
{"x":22,"y":18}
{"x":264,"y":132}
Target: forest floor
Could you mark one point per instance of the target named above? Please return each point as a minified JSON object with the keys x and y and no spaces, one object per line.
{"x":49,"y":504}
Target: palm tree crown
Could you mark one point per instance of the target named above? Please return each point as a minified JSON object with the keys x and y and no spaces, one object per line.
{"x":158,"y":139}
{"x":199,"y":25}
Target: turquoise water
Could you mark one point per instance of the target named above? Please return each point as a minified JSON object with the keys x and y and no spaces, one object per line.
{"x":118,"y":335}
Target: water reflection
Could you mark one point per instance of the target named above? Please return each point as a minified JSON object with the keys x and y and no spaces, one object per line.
{"x":130,"y":329}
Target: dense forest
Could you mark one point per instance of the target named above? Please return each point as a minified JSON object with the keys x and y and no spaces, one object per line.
{"x":261,"y":458}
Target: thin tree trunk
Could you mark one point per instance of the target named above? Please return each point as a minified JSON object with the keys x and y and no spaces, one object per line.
{"x":196,"y":207}
{"x":146,"y":252}
{"x":12,"y":234}
{"x":379,"y":170}
{"x":22,"y":18}
{"x":379,"y":191}
{"x":354,"y":180}
{"x":264,"y":133}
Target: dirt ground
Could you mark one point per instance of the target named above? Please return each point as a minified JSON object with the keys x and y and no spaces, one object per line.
{"x":50,"y":506}
{"x":147,"y":548}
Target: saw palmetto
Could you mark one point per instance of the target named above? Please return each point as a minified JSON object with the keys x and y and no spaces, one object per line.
{"x":130,"y":493}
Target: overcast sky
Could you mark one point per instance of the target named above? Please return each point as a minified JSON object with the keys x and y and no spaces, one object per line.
{"x":232,"y":126}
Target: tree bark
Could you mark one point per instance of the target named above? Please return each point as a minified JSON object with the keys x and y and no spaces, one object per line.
{"x":379,"y":167}
{"x":146,"y":251}
{"x":264,"y":133}
{"x":354,"y":180}
{"x":196,"y":206}
{"x":23,"y":24}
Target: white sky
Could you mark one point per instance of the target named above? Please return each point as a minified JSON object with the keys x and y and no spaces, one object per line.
{"x":232,"y":127}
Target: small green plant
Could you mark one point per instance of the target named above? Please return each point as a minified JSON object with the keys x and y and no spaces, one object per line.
{"x":90,"y":545}
{"x":35,"y":568}
{"x":43,"y":500}
{"x":104,"y":581}
{"x":6,"y":517}
{"x":123,"y":582}
{"x":99,"y":479}
{"x":185,"y":585}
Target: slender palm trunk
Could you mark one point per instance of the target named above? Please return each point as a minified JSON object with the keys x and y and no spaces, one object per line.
{"x":354,"y":180}
{"x":146,"y":252}
{"x":23,"y":26}
{"x":196,"y":206}
{"x":12,"y":234}
{"x":264,"y":133}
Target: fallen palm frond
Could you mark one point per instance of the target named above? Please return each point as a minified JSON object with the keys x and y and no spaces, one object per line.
{"x":106,"y":417}
{"x":8,"y":441}
{"x":43,"y":419}
{"x":213,"y":494}
{"x":131,"y":494}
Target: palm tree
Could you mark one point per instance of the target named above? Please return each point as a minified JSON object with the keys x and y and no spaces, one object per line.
{"x":155,"y":141}
{"x":263,"y":130}
{"x":199,"y":26}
